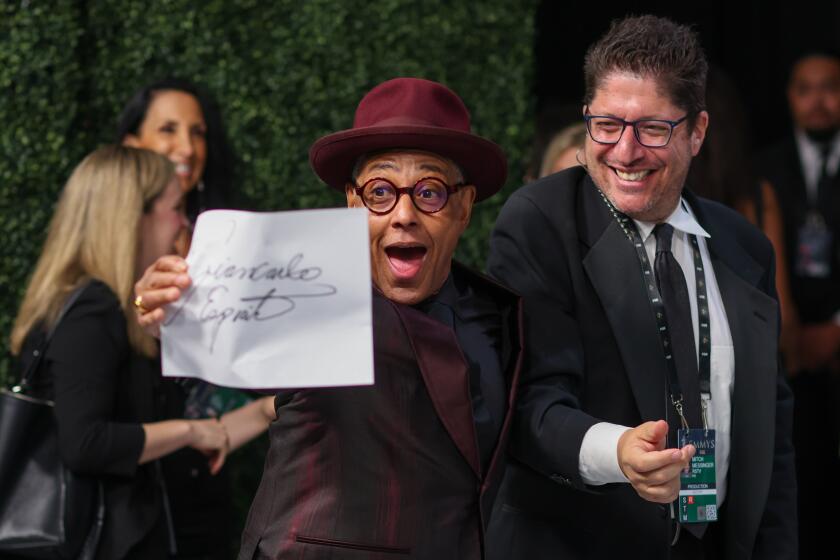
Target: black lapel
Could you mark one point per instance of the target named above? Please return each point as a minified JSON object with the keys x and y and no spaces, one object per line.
{"x":485,"y":295}
{"x":623,"y":298}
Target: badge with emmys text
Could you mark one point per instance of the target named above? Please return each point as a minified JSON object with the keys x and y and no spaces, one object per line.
{"x":698,"y":493}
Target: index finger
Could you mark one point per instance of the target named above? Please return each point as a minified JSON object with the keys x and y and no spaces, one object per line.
{"x":169,"y":263}
{"x":654,"y":460}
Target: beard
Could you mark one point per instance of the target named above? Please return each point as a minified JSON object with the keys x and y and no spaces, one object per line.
{"x":822,"y":135}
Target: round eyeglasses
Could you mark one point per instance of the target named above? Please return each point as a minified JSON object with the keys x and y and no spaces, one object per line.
{"x":651,"y":133}
{"x":429,"y":194}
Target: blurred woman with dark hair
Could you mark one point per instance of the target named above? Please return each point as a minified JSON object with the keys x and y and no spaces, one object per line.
{"x":177,"y":119}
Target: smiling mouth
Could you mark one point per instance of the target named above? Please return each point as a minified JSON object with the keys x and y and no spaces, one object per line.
{"x":632,"y":175}
{"x":406,"y":261}
{"x":183,"y":169}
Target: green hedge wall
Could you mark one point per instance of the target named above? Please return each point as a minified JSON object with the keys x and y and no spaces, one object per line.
{"x":284,"y":72}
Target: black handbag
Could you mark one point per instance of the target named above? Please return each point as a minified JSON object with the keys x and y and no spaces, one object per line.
{"x":46,"y":511}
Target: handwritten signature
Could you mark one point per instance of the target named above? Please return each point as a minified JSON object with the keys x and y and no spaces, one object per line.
{"x":264,"y":306}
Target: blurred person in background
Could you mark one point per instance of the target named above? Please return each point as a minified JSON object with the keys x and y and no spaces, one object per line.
{"x":562,"y":151}
{"x":177,"y":119}
{"x":121,"y":209}
{"x":804,"y":169}
{"x":723,"y":171}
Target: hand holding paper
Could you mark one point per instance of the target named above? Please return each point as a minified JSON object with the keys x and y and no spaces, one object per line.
{"x":275,"y":300}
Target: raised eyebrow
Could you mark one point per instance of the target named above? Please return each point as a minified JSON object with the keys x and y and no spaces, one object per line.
{"x":384,"y":165}
{"x":432,"y":167}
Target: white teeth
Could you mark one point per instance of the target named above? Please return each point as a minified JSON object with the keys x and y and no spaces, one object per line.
{"x":637,"y":176}
{"x":183,"y":169}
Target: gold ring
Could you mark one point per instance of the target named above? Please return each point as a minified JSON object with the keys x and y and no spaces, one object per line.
{"x":138,"y":304}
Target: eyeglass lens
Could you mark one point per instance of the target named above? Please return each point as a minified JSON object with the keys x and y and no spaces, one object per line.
{"x":428,"y":195}
{"x":651,"y":133}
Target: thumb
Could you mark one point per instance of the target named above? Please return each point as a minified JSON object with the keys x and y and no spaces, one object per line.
{"x":653,"y":432}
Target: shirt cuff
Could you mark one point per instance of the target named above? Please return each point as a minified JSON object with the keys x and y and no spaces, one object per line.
{"x":598,"y":459}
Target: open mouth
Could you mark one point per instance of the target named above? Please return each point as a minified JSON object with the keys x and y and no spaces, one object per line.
{"x":405,"y":261}
{"x":183,"y":169}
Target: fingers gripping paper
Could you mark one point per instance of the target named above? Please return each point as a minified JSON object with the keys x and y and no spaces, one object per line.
{"x":278,"y":300}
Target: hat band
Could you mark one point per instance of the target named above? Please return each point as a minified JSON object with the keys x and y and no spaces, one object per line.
{"x":403,"y":120}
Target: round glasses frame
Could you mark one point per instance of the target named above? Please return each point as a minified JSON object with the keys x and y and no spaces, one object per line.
{"x":413,"y":192}
{"x":635,"y":126}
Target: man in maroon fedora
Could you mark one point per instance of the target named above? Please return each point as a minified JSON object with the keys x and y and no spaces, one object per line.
{"x":408,"y":467}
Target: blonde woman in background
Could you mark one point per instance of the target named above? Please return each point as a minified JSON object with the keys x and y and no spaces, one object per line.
{"x":562,"y":152}
{"x":121,"y":209}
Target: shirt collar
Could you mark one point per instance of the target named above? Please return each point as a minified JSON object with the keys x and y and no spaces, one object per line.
{"x":682,"y":218}
{"x":806,"y":144}
{"x":447,"y":295}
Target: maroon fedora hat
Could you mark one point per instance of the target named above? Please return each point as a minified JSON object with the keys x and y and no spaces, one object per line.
{"x":410,"y":113}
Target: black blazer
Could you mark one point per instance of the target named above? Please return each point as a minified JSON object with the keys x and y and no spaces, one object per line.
{"x":103,"y":392}
{"x":390,"y":470}
{"x":593,"y":354}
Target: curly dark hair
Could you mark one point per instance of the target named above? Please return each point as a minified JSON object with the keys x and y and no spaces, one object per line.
{"x":655,"y":47}
{"x":218,"y":171}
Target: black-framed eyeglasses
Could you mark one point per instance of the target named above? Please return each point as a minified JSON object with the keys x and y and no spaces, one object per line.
{"x":651,"y":133}
{"x":429,"y":194}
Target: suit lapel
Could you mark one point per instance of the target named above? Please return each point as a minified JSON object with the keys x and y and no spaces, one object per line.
{"x":446,"y":375}
{"x":623,"y":298}
{"x":753,"y":319}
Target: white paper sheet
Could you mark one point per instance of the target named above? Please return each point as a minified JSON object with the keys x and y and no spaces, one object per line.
{"x":279,"y":300}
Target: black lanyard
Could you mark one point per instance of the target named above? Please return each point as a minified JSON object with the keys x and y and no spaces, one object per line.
{"x":704,"y":366}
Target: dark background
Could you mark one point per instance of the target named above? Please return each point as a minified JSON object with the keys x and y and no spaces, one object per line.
{"x":754,"y":42}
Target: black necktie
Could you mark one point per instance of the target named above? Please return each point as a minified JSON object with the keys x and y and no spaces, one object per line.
{"x":672,"y":288}
{"x":824,"y":181}
{"x":674,"y":294}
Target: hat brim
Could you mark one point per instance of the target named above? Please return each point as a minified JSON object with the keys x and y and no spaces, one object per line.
{"x":332,"y":157}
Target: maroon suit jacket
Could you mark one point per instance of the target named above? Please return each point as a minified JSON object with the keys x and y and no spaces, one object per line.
{"x":390,"y":470}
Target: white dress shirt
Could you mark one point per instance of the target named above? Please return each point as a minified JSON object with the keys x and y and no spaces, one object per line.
{"x":598,"y":459}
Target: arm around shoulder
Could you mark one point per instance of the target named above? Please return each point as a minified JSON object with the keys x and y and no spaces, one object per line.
{"x":527,"y":254}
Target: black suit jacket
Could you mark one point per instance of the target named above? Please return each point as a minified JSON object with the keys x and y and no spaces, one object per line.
{"x":817,"y":299}
{"x":593,"y":354}
{"x":390,"y":470}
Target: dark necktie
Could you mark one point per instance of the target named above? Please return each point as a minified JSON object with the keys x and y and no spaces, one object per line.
{"x":672,"y":288}
{"x":824,"y":181}
{"x":675,"y":296}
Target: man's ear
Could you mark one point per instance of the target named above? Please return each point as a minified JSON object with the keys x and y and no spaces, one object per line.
{"x":698,"y":134}
{"x":466,"y":199}
{"x":352,"y":199}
